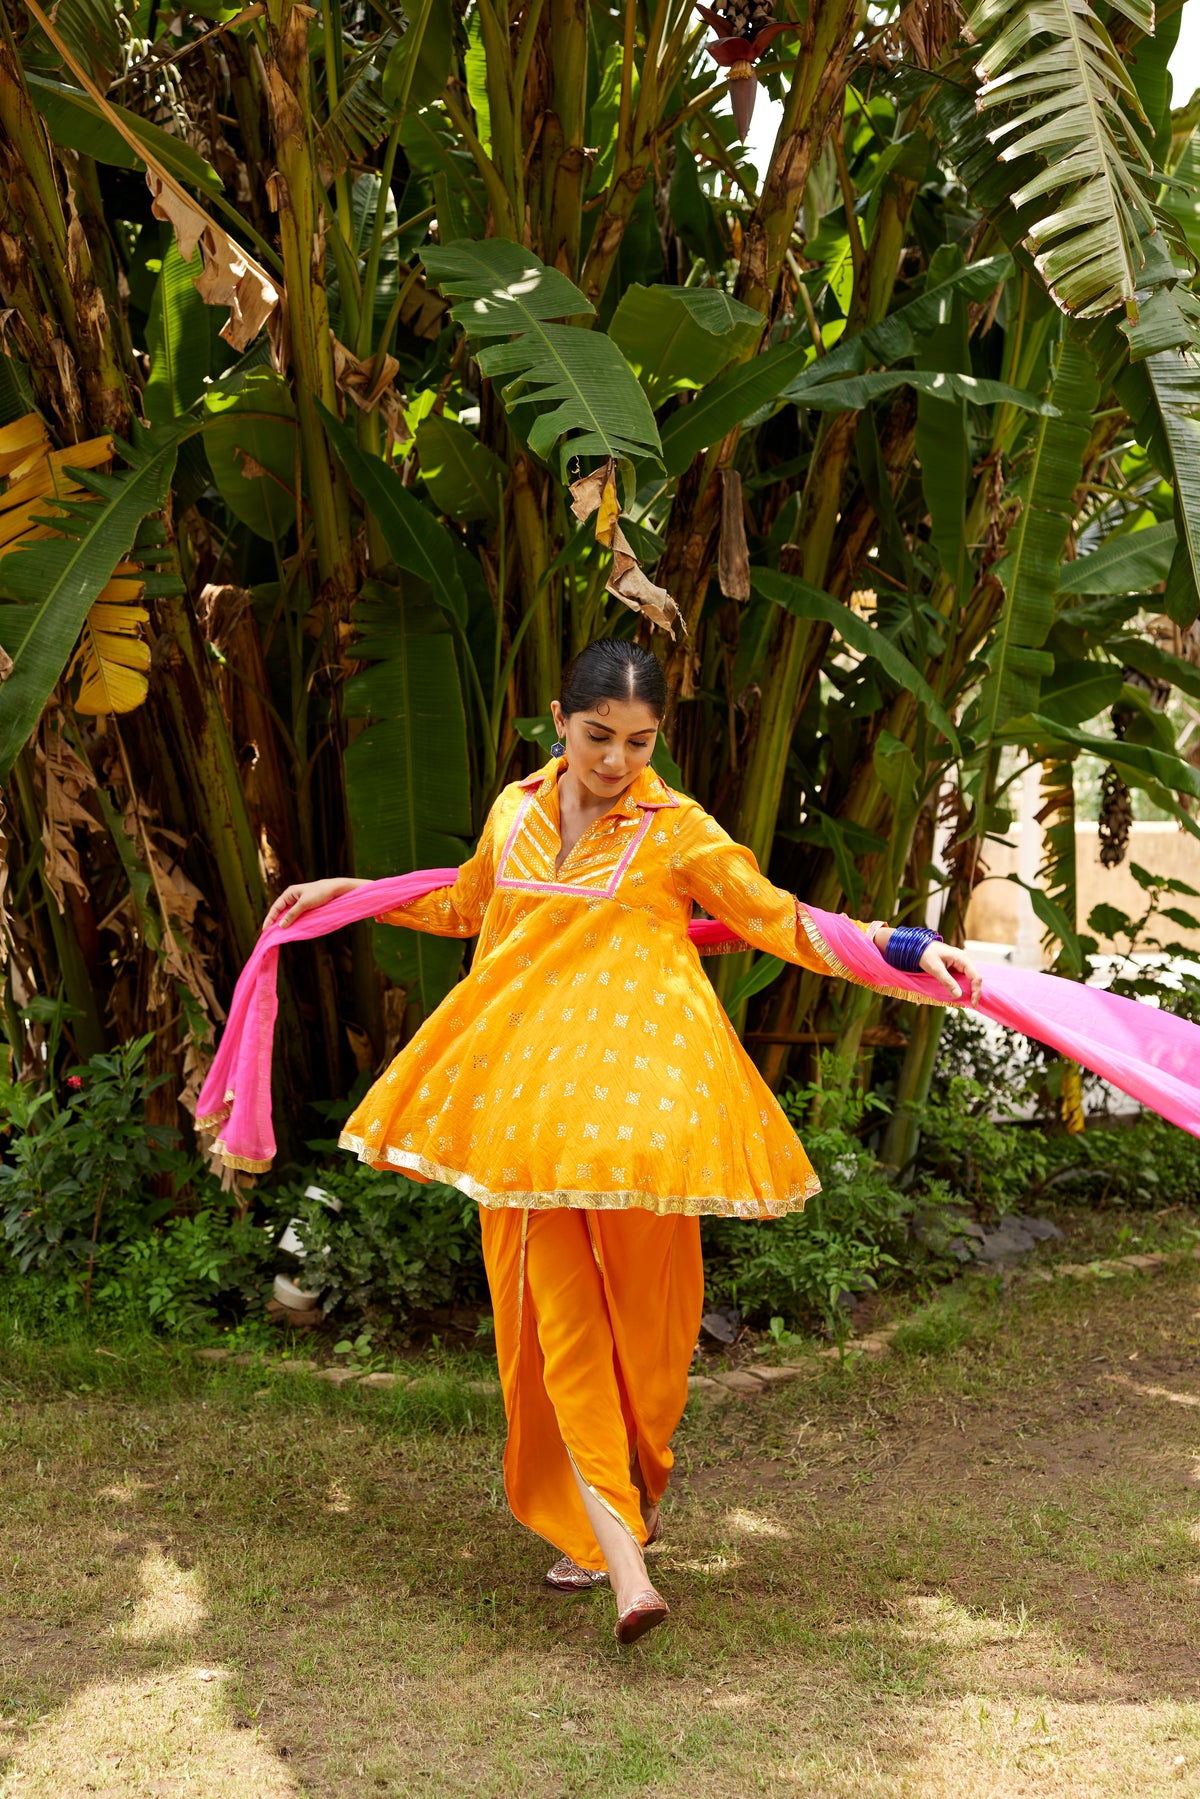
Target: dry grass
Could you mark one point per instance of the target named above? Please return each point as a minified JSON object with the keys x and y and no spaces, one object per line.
{"x":968,"y":1572}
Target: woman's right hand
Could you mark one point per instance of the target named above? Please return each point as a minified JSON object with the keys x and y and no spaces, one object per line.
{"x":302,"y":896}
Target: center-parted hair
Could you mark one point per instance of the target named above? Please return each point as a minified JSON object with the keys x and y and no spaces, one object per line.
{"x":613,"y":669}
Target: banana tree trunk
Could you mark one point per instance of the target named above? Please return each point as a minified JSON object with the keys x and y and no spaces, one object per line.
{"x":299,"y":202}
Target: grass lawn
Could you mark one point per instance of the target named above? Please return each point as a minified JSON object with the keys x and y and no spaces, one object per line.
{"x":972,"y":1567}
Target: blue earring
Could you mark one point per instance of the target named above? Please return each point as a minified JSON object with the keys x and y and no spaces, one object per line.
{"x":558,"y":749}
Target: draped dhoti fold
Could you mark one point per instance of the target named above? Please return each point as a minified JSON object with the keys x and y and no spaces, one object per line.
{"x":596,"y":1315}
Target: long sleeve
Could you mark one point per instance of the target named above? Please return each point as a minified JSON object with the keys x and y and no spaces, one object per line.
{"x":455,"y":911}
{"x":723,"y":877}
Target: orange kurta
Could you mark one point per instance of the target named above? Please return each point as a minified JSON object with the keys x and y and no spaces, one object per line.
{"x":585,"y":1059}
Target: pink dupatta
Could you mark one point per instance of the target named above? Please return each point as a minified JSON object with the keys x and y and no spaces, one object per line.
{"x":1151,"y":1055}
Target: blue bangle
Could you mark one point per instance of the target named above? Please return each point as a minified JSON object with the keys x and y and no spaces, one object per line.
{"x":907,"y":944}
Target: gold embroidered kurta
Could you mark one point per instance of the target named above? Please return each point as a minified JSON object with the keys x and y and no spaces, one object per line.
{"x":585,"y":1060}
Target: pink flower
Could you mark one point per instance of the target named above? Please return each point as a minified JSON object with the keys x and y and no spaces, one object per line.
{"x":74,"y":1082}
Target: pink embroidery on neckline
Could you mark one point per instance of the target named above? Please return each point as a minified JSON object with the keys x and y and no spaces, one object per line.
{"x":572,"y":887}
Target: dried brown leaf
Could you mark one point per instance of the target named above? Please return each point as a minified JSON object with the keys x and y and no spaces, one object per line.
{"x":733,"y":556}
{"x":229,"y":275}
{"x":597,"y":494}
{"x":359,"y":379}
{"x":66,"y":777}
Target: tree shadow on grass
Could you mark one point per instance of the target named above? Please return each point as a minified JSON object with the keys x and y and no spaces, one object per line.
{"x":887,"y":1585}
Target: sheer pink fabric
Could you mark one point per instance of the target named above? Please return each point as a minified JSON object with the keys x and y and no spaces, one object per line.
{"x":1149,"y":1054}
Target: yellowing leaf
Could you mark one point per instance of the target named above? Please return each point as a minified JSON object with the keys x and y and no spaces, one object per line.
{"x":22,"y":443}
{"x":111,"y":658}
{"x":609,"y":512}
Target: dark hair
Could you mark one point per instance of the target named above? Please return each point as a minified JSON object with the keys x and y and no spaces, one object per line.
{"x":612,"y":668}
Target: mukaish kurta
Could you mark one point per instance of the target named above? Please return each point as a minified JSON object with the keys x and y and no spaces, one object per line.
{"x":585,"y":1086}
{"x":585,"y":1060}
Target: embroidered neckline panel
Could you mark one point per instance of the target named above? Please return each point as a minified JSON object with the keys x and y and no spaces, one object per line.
{"x":598,"y":861}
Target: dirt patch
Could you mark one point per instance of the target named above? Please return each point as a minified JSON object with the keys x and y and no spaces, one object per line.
{"x":975,"y":1572}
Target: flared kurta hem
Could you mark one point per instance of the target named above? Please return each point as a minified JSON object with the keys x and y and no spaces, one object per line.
{"x":682,"y":1205}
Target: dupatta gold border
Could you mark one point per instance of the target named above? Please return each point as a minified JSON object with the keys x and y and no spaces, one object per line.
{"x":837,"y":966}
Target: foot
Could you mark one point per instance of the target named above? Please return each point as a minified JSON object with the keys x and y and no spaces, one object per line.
{"x":645,"y":1612}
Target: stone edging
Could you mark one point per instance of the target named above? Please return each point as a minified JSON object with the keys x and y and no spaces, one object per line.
{"x":741,"y":1383}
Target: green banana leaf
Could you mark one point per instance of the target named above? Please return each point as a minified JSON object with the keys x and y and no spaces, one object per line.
{"x":1139,"y":761}
{"x":1064,"y":96}
{"x":788,"y":370}
{"x":1156,"y":664}
{"x":943,"y":436}
{"x":805,"y":601}
{"x":415,"y":540}
{"x":1174,"y":377}
{"x":1130,"y":562}
{"x":677,"y":337}
{"x":236,"y":431}
{"x":54,"y":581}
{"x":947,"y":385}
{"x":178,"y":340}
{"x":1079,"y":691}
{"x":465,"y":479}
{"x":74,"y":120}
{"x":1028,"y":571}
{"x":762,"y":971}
{"x":407,"y":783}
{"x":595,"y":405}
{"x":729,"y":402}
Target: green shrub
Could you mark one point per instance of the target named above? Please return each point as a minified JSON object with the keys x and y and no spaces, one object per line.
{"x":179,"y":1276}
{"x":1147,"y":1164}
{"x":76,"y":1177}
{"x":971,"y":1143}
{"x":848,"y":1236}
{"x":396,"y":1243}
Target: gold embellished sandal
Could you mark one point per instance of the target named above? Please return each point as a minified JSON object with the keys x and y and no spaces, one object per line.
{"x":567,"y":1576}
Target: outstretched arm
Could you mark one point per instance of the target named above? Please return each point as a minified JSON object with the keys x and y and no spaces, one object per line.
{"x":724,"y":878}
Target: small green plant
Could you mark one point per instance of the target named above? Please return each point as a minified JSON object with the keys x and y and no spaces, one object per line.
{"x":971,"y":1145}
{"x":175,"y":1276}
{"x":361,"y":1351}
{"x":936,"y":1331}
{"x":92,"y":1171}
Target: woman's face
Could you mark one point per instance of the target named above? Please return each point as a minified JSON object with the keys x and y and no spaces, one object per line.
{"x":608,"y":744}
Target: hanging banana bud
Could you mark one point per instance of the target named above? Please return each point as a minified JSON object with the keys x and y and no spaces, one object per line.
{"x":744,"y":29}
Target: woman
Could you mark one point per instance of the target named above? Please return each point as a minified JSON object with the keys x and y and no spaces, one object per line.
{"x":584,"y":1085}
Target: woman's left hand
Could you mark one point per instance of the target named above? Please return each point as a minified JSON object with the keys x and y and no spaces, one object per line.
{"x":940,"y":958}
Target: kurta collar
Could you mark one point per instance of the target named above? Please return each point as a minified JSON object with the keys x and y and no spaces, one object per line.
{"x":649,"y":793}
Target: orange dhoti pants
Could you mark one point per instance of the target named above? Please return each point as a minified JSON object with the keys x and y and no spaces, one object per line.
{"x":597,"y":1314}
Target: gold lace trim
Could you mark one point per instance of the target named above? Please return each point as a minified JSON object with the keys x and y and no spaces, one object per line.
{"x":838,"y":967}
{"x":685,"y":1205}
{"x":245,"y":1162}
